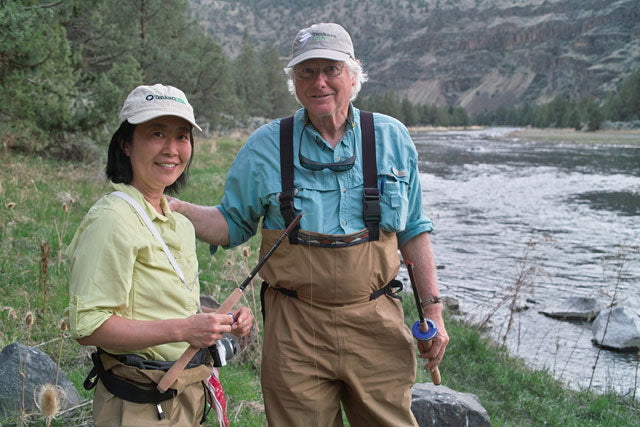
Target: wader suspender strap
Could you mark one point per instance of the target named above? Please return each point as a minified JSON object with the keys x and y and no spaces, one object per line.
{"x":370,"y":194}
{"x":287,"y":208}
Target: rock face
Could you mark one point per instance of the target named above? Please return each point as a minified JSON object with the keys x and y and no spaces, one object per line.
{"x":40,"y":370}
{"x":622,"y":331}
{"x":576,"y":308}
{"x":440,"y":406}
{"x":478,"y":54}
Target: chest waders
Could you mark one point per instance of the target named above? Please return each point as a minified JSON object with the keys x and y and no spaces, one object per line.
{"x":334,"y":332}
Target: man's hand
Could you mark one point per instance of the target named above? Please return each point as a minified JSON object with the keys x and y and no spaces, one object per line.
{"x":438,"y":344}
{"x":175,"y":204}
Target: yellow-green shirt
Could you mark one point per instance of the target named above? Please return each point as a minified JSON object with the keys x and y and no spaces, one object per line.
{"x":119,"y":268}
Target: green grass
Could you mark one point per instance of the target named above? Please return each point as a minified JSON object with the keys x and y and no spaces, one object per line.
{"x":513,"y":394}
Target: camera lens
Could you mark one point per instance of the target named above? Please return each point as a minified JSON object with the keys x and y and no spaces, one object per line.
{"x":222,"y":351}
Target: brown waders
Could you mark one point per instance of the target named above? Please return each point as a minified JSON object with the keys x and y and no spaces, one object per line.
{"x":186,"y":408}
{"x":326,"y":342}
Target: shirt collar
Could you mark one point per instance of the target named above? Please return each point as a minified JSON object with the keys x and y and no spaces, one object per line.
{"x":351,"y":123}
{"x":148,"y":208}
{"x":350,"y":117}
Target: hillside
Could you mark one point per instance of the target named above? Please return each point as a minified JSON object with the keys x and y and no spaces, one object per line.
{"x":479,"y":54}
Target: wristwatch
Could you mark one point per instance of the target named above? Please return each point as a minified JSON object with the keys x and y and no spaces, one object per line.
{"x":433,"y":300}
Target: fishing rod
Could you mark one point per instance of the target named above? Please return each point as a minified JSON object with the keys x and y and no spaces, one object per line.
{"x":424,"y":329}
{"x":172,"y":374}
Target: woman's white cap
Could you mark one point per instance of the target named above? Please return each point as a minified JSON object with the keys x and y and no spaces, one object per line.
{"x":146,"y":103}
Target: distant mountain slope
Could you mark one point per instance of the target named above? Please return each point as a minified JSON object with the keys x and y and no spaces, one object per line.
{"x":479,"y":54}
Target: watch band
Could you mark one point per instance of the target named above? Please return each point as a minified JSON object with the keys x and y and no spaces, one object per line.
{"x":433,"y":300}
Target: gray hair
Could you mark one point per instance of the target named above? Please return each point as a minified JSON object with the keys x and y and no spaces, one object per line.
{"x":354,"y":67}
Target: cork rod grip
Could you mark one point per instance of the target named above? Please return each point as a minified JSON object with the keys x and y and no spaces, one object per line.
{"x":435,"y":374}
{"x":176,"y":369}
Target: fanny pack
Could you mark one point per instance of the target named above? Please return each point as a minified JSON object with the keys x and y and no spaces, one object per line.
{"x":128,"y":390}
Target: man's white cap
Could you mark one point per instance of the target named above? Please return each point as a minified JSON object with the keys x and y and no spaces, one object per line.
{"x":325,"y":40}
{"x":146,"y":103}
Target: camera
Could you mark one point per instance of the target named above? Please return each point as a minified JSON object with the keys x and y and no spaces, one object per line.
{"x":222,"y":351}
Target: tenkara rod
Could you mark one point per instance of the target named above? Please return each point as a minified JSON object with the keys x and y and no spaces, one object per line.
{"x":172,"y":374}
{"x":424,"y":329}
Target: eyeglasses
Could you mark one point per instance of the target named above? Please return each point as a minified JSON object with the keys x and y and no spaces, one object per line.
{"x":341,"y":166}
{"x":329,"y":71}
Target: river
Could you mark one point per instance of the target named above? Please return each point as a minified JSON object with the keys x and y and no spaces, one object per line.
{"x":565,"y":217}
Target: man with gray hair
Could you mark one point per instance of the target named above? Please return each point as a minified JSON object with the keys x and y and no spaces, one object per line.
{"x":334,"y":332}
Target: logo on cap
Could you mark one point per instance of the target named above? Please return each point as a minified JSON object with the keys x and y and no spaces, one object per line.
{"x":170,"y":98}
{"x":304,"y":38}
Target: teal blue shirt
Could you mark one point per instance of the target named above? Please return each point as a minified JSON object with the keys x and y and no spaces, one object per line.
{"x":330,"y":201}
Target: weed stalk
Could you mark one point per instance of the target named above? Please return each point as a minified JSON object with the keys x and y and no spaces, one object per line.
{"x":45,"y":250}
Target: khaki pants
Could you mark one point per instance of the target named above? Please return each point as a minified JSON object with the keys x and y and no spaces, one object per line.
{"x":185,"y":409}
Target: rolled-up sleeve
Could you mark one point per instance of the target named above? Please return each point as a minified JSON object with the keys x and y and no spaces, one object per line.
{"x":102,"y":260}
{"x":417,"y":220}
{"x":241,"y":204}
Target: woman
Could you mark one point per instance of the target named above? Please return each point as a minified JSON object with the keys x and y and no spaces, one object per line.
{"x":128,"y":297}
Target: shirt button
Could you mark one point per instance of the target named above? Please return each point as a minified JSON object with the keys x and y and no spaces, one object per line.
{"x":344,"y":222}
{"x":344,"y":190}
{"x":338,"y":159}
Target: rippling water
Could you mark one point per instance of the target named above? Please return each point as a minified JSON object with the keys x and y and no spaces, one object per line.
{"x":570,"y":209}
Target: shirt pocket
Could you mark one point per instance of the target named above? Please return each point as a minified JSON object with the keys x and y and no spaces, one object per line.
{"x":394,"y":200}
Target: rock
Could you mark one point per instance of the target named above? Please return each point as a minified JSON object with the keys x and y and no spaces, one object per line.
{"x":452,"y":304}
{"x":576,"y":308}
{"x":623,"y":331}
{"x":40,"y":370}
{"x":434,"y":405}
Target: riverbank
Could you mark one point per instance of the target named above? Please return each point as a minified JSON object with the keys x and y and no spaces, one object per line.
{"x":599,"y":137}
{"x":568,"y":135}
{"x":43,"y":201}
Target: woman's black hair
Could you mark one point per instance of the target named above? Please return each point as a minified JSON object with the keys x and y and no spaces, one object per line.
{"x":119,"y":168}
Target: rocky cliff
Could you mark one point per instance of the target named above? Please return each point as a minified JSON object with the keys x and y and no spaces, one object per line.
{"x":479,"y":54}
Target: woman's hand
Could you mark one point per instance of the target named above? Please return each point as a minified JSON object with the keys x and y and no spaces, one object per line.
{"x":203,"y":329}
{"x":243,"y":322}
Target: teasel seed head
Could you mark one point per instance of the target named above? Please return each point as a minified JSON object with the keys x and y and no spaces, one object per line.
{"x":63,"y":325}
{"x":49,"y":399}
{"x":28,"y":318}
{"x":245,"y":251}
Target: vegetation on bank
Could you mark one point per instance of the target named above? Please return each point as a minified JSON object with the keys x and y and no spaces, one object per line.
{"x":42,"y":202}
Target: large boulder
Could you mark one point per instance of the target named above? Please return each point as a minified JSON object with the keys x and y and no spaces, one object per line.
{"x":437,"y":405}
{"x":622,"y":329}
{"x":40,"y":370}
{"x":576,"y":308}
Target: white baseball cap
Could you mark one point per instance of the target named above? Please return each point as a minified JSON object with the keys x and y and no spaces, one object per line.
{"x":145,"y":103}
{"x":325,"y":40}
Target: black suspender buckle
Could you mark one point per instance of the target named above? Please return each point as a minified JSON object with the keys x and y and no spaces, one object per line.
{"x":287,"y":208}
{"x":288,"y":212}
{"x":371,"y":211}
{"x":371,"y":204}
